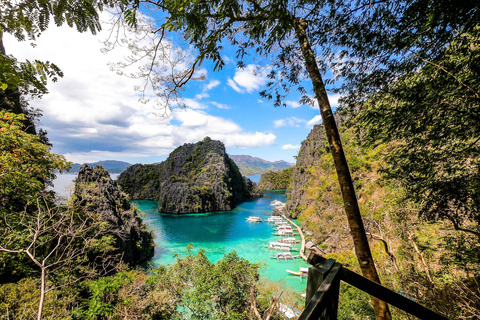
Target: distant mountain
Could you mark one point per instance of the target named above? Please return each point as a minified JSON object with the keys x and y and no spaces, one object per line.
{"x":254,"y":165}
{"x":112,"y":166}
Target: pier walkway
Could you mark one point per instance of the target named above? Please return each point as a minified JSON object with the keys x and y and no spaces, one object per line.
{"x":302,"y":249}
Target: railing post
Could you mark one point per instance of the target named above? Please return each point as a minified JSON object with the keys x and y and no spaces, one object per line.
{"x":316,"y":275}
{"x":324,"y":303}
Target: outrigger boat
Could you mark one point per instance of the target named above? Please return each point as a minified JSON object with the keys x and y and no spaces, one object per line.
{"x":254,"y":219}
{"x":275,"y":219}
{"x":284,"y":256}
{"x":283,"y":227}
{"x":280,"y":246}
{"x":291,"y":240}
{"x":303,"y":272}
{"x":276,"y":203}
{"x":284,"y":232}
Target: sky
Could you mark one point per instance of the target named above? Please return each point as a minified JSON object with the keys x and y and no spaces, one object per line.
{"x":94,"y":114}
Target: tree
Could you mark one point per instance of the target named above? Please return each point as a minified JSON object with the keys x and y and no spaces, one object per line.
{"x":279,"y":31}
{"x":27,"y":19}
{"x":411,"y":72}
{"x":61,"y":242}
{"x":65,"y":243}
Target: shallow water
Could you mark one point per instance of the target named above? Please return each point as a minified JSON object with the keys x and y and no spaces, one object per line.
{"x":222,"y":232}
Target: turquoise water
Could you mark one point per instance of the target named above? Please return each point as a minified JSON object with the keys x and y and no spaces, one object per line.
{"x":222,"y":232}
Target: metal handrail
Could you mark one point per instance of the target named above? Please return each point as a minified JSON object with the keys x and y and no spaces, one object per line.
{"x":323,"y":287}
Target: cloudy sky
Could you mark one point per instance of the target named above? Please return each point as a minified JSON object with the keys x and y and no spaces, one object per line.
{"x":93,"y":114}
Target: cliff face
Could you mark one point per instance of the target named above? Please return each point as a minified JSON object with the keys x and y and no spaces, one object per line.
{"x":96,"y":192}
{"x":275,"y":180}
{"x":194,"y":178}
{"x":308,"y":156}
{"x":141,"y":181}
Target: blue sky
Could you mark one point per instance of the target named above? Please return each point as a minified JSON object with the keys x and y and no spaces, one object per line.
{"x":94,"y":114}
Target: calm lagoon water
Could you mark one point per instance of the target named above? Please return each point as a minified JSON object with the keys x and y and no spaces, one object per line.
{"x":222,"y":232}
{"x":217,"y":233}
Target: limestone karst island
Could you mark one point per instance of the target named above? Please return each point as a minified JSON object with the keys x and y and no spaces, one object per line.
{"x":247,"y":160}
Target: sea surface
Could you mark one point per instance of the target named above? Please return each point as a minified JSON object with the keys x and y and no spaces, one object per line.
{"x":217,"y":233}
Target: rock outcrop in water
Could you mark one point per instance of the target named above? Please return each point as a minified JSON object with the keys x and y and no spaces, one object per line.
{"x":96,"y":192}
{"x":275,"y":180}
{"x":194,"y":178}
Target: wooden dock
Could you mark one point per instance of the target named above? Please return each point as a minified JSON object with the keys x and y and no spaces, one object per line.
{"x":302,"y":249}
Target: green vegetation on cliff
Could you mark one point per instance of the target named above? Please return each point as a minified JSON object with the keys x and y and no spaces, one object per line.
{"x":420,"y":258}
{"x":275,"y":180}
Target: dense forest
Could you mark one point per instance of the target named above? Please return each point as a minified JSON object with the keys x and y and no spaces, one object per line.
{"x":392,"y":191}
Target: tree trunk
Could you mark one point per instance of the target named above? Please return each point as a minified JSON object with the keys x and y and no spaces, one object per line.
{"x":360,"y":241}
{"x":42,"y":294}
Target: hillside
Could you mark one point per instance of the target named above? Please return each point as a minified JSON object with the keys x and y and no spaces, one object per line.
{"x":412,"y":255}
{"x":276,"y":180}
{"x":253,"y":165}
{"x":194,"y":178}
{"x":112,"y":166}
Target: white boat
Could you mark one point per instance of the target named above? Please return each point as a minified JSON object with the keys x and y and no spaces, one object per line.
{"x":287,"y":233}
{"x":303,"y":272}
{"x":289,"y":311}
{"x":284,"y":256}
{"x":275,"y":219}
{"x":254,"y":219}
{"x":276,"y":203}
{"x":280,"y":246}
{"x":289,"y":240}
{"x":281,"y":223}
{"x":283,"y":227}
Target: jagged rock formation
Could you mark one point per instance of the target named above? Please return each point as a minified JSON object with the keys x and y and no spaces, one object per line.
{"x":307,"y":157}
{"x":194,"y":178}
{"x":275,"y":180}
{"x":96,"y":192}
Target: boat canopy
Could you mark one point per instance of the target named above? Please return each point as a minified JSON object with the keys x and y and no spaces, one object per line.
{"x":280,"y":244}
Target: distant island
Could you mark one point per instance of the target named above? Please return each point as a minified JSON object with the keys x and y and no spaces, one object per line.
{"x":196,"y":177}
{"x":252,"y":165}
{"x":112,"y":166}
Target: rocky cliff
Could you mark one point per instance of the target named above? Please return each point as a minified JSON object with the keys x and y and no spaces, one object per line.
{"x":96,"y":192}
{"x":194,"y":178}
{"x":308,"y":156}
{"x":275,"y":180}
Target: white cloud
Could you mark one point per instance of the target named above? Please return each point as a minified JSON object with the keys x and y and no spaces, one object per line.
{"x":201,"y":96}
{"x":332,"y":98}
{"x":194,"y":104}
{"x":248,"y":79}
{"x":293,"y":104}
{"x":292,"y":122}
{"x":315,"y":120}
{"x":291,"y":147}
{"x":279,"y":123}
{"x":212,"y":84}
{"x":234,"y":86}
{"x":93,"y":114}
{"x":220,"y":105}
